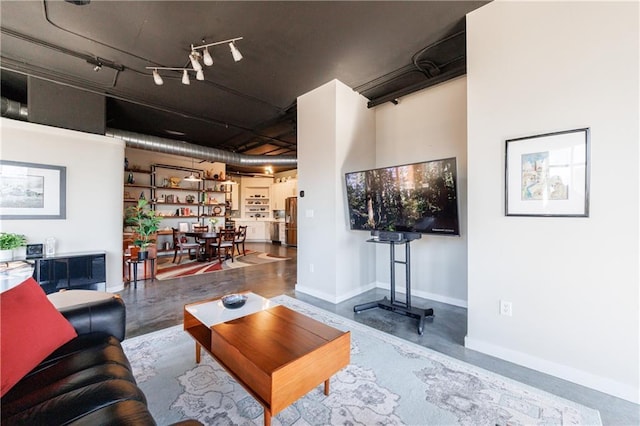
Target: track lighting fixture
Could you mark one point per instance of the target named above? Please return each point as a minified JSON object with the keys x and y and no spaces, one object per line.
{"x":206,"y":57}
{"x":156,"y":78}
{"x":194,"y":59}
{"x":208,"y":60}
{"x":237,"y":56}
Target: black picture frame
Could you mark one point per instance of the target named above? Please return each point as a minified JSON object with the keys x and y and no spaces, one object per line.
{"x":548,"y":174}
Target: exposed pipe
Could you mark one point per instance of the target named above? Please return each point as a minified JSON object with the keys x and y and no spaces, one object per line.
{"x":185,"y":149}
{"x":15,"y":110}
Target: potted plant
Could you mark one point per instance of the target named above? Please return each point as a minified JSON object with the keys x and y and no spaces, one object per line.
{"x":8,"y":242}
{"x":144,"y":223}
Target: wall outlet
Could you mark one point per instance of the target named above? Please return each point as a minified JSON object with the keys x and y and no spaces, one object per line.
{"x":311,"y":268}
{"x":506,"y":308}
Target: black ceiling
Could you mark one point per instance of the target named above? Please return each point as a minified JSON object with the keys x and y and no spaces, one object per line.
{"x":381,"y":49}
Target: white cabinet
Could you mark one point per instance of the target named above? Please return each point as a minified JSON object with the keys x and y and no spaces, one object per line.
{"x":281,"y":191}
{"x":256,"y":230}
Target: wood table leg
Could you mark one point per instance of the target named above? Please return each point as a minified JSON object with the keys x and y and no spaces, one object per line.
{"x":267,"y":417}
{"x":326,"y":387}
{"x":198,"y":352}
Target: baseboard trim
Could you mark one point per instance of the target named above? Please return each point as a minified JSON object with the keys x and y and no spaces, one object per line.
{"x":332,"y":298}
{"x":427,"y":295}
{"x":599,"y":383}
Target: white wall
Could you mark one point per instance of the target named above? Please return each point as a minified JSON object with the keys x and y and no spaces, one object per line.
{"x":94,"y":189}
{"x":536,"y":67}
{"x":335,"y":135}
{"x":429,"y":125}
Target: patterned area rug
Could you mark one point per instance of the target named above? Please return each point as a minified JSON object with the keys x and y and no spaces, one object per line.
{"x":168,"y":270}
{"x":389,"y":381}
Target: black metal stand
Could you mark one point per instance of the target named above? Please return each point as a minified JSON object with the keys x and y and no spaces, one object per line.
{"x":394,"y":305}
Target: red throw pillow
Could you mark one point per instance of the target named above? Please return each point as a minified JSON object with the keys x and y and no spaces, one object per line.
{"x":31,"y":329}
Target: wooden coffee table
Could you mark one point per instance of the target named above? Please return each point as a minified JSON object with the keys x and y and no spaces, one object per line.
{"x":278,"y":355}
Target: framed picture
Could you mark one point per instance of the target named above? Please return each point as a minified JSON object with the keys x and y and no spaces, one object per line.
{"x":548,"y":175}
{"x":32,"y":191}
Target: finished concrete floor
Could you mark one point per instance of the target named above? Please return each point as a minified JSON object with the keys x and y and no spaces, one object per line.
{"x":155,"y":305}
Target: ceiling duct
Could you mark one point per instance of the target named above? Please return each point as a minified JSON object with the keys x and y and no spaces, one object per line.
{"x":13,"y":109}
{"x":175,"y":147}
{"x":16,"y":110}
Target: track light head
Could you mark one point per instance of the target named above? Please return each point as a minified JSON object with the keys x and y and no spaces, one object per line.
{"x":193,"y":57}
{"x":237,"y":56}
{"x":207,"y":58}
{"x":185,"y":77}
{"x":157,"y":79}
{"x":200,"y":75}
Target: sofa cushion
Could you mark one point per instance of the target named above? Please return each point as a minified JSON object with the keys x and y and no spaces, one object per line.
{"x":31,"y":328}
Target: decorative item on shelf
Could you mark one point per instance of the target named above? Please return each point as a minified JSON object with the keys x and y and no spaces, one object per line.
{"x":174,"y":182}
{"x":165,"y":182}
{"x":50,"y":246}
{"x":34,"y":251}
{"x":142,"y":197}
{"x":126,"y":163}
{"x":130,"y":179}
{"x":221,"y":175}
{"x":217,"y":210}
{"x":169,"y":198}
{"x":9,"y":242}
{"x":190,"y":199}
{"x":213,"y":221}
{"x":215,"y":176}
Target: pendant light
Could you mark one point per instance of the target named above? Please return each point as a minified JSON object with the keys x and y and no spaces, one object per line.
{"x":185,"y":77}
{"x":192,"y":177}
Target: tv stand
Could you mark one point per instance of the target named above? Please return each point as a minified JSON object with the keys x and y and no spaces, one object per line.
{"x":394,"y":305}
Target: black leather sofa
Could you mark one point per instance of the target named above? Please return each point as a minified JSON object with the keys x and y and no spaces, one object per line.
{"x":87,"y":381}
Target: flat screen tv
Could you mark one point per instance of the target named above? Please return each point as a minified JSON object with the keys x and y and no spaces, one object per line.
{"x":419,"y":197}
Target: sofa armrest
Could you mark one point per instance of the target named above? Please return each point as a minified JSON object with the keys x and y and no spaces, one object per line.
{"x":108,"y":316}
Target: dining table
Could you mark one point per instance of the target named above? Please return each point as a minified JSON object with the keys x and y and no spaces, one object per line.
{"x":209,"y":238}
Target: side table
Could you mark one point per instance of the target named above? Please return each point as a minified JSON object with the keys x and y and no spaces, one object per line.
{"x":134,"y":262}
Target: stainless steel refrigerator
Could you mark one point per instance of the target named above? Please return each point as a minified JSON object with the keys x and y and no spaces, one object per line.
{"x":291,"y":221}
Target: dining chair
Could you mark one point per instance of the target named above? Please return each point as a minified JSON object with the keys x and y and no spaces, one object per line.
{"x":201,"y":241}
{"x":178,"y":244}
{"x":238,"y":241}
{"x":225,"y":242}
